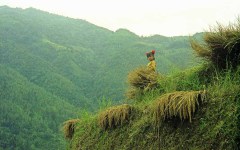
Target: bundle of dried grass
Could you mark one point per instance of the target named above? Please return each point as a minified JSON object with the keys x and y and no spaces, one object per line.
{"x":142,"y":77}
{"x":69,"y":127}
{"x":221,"y":46}
{"x":114,"y":116}
{"x":181,"y":103}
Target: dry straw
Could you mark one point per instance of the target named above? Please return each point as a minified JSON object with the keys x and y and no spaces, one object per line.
{"x":142,"y":77}
{"x":114,"y":116}
{"x":69,"y":128}
{"x":181,"y":103}
{"x":140,"y":80}
{"x":220,"y":46}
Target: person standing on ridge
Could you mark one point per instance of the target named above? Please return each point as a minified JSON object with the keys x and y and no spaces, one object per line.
{"x":152,"y":64}
{"x":151,"y":71}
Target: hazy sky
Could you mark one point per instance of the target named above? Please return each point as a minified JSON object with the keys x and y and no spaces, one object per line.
{"x":143,"y":17}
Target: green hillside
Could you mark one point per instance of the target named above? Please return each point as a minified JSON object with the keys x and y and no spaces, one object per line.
{"x":30,"y":115}
{"x":198,"y":108}
{"x":83,"y":53}
{"x":53,"y":68}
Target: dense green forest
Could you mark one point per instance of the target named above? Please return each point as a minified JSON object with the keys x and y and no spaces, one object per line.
{"x":52,"y":68}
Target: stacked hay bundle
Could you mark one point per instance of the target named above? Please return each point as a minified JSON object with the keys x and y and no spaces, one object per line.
{"x":140,"y":80}
{"x":180,"y":104}
{"x":220,"y":46}
{"x":115,"y":116}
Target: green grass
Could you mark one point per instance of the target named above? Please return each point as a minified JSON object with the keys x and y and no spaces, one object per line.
{"x":215,"y":124}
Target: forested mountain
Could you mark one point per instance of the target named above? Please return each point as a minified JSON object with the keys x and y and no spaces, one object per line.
{"x":52,"y":66}
{"x":30,"y":115}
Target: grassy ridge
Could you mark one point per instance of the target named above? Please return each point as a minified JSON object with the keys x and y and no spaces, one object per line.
{"x":183,"y":118}
{"x":215,"y":124}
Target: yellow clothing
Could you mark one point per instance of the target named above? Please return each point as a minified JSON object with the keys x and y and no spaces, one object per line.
{"x":152,"y":65}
